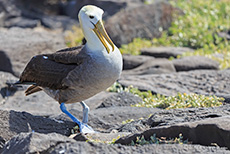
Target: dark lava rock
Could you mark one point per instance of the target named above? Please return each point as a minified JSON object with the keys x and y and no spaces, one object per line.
{"x":57,"y":22}
{"x":21,"y":22}
{"x":142,"y":21}
{"x":19,"y":45}
{"x":58,"y":144}
{"x":165,"y":52}
{"x":174,"y":116}
{"x":8,"y":9}
{"x":37,"y":104}
{"x":98,"y":148}
{"x":155,"y":66}
{"x":195,"y":63}
{"x":12,"y":123}
{"x":114,"y":116}
{"x":71,"y":8}
{"x":225,"y":96}
{"x":207,"y":82}
{"x":33,"y":13}
{"x":5,"y":89}
{"x":134,"y":126}
{"x":107,"y":119}
{"x":48,"y":7}
{"x":131,"y":61}
{"x":5,"y":63}
{"x":35,"y":143}
{"x":204,"y":132}
{"x":170,"y":117}
{"x":120,"y":99}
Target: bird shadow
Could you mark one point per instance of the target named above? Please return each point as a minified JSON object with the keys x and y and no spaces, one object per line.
{"x":26,"y":122}
{"x":5,"y":63}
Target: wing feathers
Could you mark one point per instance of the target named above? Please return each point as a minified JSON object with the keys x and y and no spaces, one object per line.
{"x":68,"y":56}
{"x":50,"y":70}
{"x":46,"y":73}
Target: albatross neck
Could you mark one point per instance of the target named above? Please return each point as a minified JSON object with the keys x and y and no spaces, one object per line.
{"x":93,"y":43}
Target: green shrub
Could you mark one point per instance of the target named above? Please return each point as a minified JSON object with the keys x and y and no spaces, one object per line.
{"x":172,"y":102}
{"x":154,"y":140}
{"x":74,"y":37}
{"x":135,"y":46}
{"x":180,"y":101}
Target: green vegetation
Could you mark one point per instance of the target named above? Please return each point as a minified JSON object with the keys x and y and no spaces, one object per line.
{"x":162,"y":140}
{"x":135,"y":47}
{"x":116,"y":87}
{"x":74,"y":37}
{"x":197,"y":29}
{"x":127,"y":121}
{"x":200,"y":23}
{"x":172,"y":102}
{"x":131,"y":120}
{"x":75,"y":130}
{"x":179,"y":101}
{"x":90,"y":139}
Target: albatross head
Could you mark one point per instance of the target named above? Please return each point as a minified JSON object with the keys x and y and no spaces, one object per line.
{"x":91,"y":22}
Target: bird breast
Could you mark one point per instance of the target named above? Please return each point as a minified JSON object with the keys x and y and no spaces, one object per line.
{"x":96,"y":74}
{"x":105,"y":68}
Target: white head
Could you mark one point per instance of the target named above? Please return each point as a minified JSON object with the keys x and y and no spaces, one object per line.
{"x":89,"y":15}
{"x":90,"y":18}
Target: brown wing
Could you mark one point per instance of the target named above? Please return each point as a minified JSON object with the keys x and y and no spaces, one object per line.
{"x":68,"y":55}
{"x":49,"y":70}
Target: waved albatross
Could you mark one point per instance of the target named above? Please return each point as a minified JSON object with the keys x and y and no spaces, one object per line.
{"x":75,"y":74}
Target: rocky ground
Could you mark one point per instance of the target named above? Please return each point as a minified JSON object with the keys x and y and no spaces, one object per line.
{"x":35,"y":124}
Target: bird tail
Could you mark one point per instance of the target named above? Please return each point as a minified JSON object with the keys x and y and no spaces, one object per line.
{"x":32,"y":89}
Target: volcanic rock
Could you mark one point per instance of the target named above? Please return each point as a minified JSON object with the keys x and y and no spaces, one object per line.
{"x":143,"y":21}
{"x":195,"y":63}
{"x":120,"y":99}
{"x":19,"y":45}
{"x":207,"y":82}
{"x":56,"y":144}
{"x":155,"y":66}
{"x":35,"y":143}
{"x":131,"y":61}
{"x":204,"y":132}
{"x":165,"y":52}
{"x":13,"y":123}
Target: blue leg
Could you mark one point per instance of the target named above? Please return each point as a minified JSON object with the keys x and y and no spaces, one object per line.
{"x":84,"y":128}
{"x":63,"y":108}
{"x":85,"y":112}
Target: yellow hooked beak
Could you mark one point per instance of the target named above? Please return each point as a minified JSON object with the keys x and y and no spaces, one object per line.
{"x":99,"y":30}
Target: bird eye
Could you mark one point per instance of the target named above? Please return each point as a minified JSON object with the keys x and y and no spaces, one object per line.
{"x":91,"y":17}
